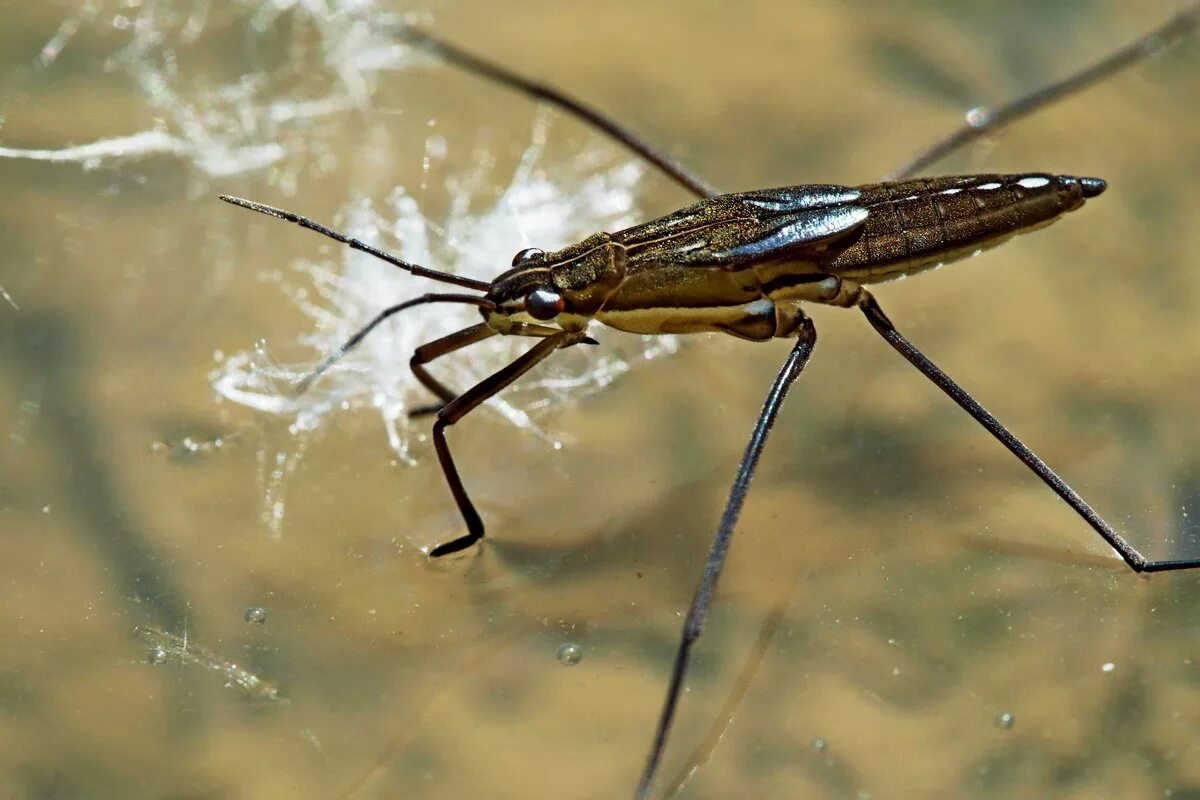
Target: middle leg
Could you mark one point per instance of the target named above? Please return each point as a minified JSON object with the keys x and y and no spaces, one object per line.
{"x":702,"y":602}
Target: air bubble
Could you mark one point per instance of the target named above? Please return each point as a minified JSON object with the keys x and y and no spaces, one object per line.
{"x":979,"y":116}
{"x":569,"y":654}
{"x":255,"y":615}
{"x":1005,"y":720}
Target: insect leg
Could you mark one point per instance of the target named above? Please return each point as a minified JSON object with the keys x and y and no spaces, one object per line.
{"x":436,"y":349}
{"x":378,"y":320}
{"x":693,"y":626}
{"x":459,"y":407}
{"x":539,"y":91}
{"x":983,"y":120}
{"x":456,"y":341}
{"x":1136,"y":561}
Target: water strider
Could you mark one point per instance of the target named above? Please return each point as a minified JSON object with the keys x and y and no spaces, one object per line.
{"x":743,"y":264}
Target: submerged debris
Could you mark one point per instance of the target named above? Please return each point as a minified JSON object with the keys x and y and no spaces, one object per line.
{"x":167,"y":647}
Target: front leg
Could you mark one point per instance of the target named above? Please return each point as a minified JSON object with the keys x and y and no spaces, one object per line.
{"x":436,"y":349}
{"x":449,"y":344}
{"x":468,"y":401}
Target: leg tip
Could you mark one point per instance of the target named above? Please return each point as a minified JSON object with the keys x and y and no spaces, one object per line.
{"x":448,"y":548}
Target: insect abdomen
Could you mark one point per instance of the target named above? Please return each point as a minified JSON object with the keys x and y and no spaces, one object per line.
{"x":919,"y":224}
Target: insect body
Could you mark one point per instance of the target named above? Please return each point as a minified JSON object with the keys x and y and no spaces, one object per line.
{"x":743,"y":264}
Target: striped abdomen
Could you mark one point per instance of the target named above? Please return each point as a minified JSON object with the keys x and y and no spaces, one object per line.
{"x":919,"y":224}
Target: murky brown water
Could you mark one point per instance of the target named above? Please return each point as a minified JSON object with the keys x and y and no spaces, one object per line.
{"x":899,"y":581}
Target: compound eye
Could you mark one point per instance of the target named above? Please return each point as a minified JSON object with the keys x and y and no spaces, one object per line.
{"x":544,"y":305}
{"x":527,"y":255}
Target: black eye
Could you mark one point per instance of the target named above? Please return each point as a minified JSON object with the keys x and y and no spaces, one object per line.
{"x":527,"y":255}
{"x":543,"y":304}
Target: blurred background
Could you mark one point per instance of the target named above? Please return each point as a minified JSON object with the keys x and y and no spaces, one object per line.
{"x":213,"y":588}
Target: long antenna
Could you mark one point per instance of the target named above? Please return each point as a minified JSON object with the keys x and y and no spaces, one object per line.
{"x":358,"y":244}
